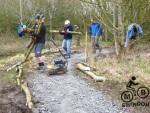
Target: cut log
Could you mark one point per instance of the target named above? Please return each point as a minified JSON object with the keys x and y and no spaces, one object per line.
{"x":88,"y":71}
{"x":71,"y":32}
{"x":82,"y":67}
{"x":26,"y":90}
{"x":20,"y":72}
{"x":24,"y":87}
{"x":87,"y":65}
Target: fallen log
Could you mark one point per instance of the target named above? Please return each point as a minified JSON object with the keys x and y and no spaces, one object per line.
{"x":87,"y":70}
{"x":26,"y":90}
{"x":14,"y":66}
{"x":87,"y":65}
{"x":24,"y":87}
{"x":20,"y":72}
{"x":71,"y":32}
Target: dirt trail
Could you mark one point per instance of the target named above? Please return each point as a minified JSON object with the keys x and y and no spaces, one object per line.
{"x":69,"y":93}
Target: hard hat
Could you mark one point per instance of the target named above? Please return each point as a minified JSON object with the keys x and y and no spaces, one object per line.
{"x":24,"y":26}
{"x":67,"y":22}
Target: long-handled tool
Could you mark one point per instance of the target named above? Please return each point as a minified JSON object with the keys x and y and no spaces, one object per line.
{"x":58,"y":48}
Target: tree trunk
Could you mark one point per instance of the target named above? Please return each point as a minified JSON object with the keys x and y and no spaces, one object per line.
{"x":115,"y":22}
{"x":119,"y":33}
{"x":106,"y":34}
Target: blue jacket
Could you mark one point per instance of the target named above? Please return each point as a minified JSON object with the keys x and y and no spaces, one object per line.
{"x":95,"y":29}
{"x":130,"y":31}
{"x":68,"y":35}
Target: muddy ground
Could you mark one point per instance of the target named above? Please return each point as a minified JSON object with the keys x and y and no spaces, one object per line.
{"x":12,"y":100}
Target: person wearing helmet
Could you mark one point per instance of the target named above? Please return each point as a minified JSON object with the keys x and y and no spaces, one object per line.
{"x":39,"y":38}
{"x":67,"y":38}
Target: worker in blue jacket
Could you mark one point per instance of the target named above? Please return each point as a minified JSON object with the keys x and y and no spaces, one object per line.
{"x":133,"y":33}
{"x":95,"y":32}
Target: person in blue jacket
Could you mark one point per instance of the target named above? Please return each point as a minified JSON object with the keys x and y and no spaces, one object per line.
{"x":95,"y":32}
{"x":67,"y":38}
{"x":133,"y":33}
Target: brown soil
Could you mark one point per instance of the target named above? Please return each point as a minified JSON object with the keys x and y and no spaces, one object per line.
{"x":12,"y":100}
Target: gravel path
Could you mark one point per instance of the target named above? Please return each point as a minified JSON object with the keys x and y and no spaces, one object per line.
{"x":69,"y":94}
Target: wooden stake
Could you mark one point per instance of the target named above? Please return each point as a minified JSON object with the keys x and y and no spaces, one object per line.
{"x":86,"y":46}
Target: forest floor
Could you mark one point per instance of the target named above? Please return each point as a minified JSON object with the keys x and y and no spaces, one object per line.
{"x":12,"y":100}
{"x":75,"y":92}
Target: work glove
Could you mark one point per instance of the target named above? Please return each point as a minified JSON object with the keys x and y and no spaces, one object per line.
{"x":24,"y":27}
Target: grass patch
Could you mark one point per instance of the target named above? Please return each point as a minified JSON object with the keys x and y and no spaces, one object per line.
{"x":8,"y":77}
{"x":107,"y":43}
{"x":122,"y":71}
{"x":11,"y":44}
